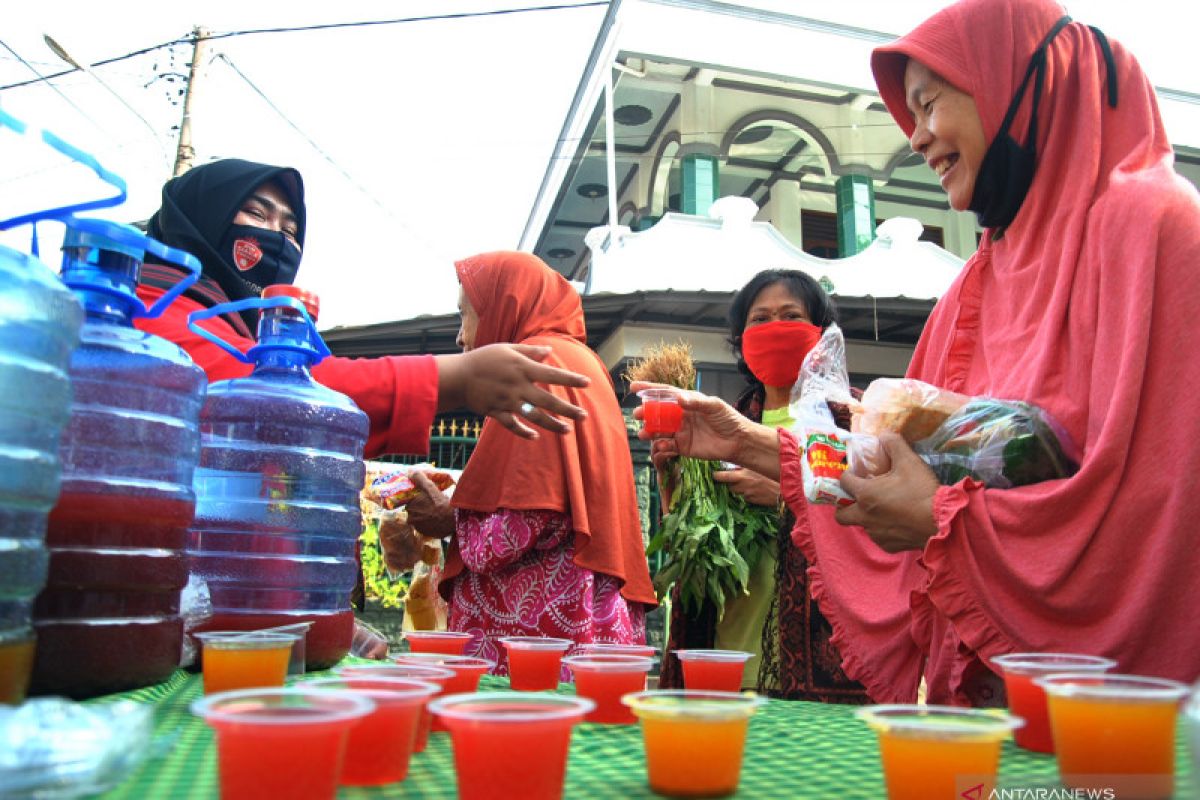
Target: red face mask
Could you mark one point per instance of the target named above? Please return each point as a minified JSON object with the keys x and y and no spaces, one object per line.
{"x":774,"y":351}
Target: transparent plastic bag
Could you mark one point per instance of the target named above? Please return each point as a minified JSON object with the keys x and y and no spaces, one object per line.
{"x":909,"y":407}
{"x":1000,"y":443}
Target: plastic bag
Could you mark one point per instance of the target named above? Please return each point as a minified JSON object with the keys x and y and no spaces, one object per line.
{"x":393,"y":488}
{"x":1001,"y":443}
{"x":424,"y":608}
{"x":909,"y":407}
{"x":827,"y":451}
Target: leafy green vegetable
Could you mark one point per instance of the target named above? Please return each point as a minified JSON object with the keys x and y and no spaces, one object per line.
{"x":712,"y":538}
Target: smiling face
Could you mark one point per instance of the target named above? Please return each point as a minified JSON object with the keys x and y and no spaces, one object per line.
{"x":948,"y":132}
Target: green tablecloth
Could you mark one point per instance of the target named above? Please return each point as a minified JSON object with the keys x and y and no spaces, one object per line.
{"x":794,"y":750}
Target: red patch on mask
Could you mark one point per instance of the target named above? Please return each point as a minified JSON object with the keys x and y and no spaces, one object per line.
{"x":246,"y":253}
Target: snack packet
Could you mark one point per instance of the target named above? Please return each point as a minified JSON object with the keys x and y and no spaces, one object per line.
{"x":393,"y":488}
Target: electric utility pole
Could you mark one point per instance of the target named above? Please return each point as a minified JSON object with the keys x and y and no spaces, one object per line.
{"x":186,"y":153}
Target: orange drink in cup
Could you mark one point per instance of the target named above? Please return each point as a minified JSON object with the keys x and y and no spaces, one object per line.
{"x":1115,"y":731}
{"x":510,"y":745}
{"x":244,"y":659}
{"x":662,"y":415}
{"x":694,"y":740}
{"x":380,"y":745}
{"x":430,"y":674}
{"x":605,"y":679}
{"x":448,"y":642}
{"x":467,"y":672}
{"x":713,"y":670}
{"x":937,"y":751}
{"x":281,"y":742}
{"x":534,"y":662}
{"x":1027,"y":700}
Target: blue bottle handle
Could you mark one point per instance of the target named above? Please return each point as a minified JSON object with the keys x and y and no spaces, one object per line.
{"x":75,"y":154}
{"x":129,"y":237}
{"x":255,"y":302}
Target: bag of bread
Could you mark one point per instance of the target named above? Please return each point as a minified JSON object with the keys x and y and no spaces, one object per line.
{"x":905,"y":406}
{"x":424,"y":608}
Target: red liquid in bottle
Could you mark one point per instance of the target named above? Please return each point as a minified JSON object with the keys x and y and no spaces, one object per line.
{"x":108,"y":619}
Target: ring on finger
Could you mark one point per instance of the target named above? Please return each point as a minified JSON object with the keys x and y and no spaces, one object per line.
{"x":526,"y":409}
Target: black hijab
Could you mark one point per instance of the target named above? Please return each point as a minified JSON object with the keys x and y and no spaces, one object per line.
{"x":197,"y":209}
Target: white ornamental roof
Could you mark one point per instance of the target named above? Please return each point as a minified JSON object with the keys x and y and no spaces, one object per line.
{"x":722,"y":251}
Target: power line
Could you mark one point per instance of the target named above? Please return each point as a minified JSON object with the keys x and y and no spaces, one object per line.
{"x":326,"y":26}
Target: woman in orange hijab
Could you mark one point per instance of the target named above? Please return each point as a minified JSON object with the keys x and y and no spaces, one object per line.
{"x":547,"y":536}
{"x":1079,"y":300}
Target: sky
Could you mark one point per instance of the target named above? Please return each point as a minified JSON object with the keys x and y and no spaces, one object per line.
{"x":420,"y":142}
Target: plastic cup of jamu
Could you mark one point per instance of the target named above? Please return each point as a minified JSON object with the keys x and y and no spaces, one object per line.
{"x":713,"y":670}
{"x":694,"y":740}
{"x":534,"y":662}
{"x":448,"y":642}
{"x":234,"y":660}
{"x":467,"y":672}
{"x":1027,"y":700}
{"x":510,"y":744}
{"x":379,"y":746}
{"x":1114,"y":731}
{"x":430,"y":674}
{"x":1192,"y":714}
{"x":938,"y":751}
{"x":605,"y":679}
{"x":662,"y":415}
{"x":281,"y":742}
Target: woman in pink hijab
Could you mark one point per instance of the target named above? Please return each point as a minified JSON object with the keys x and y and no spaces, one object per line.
{"x":1080,"y":300}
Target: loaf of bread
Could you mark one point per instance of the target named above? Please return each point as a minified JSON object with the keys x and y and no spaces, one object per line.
{"x":908,"y":407}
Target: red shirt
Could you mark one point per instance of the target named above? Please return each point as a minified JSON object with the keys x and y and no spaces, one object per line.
{"x":397,"y":393}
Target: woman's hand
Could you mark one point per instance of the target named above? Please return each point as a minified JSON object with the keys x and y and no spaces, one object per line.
{"x":749,"y":484}
{"x":895,"y":508}
{"x":497,"y":380}
{"x":712,"y":429}
{"x":430,"y":512}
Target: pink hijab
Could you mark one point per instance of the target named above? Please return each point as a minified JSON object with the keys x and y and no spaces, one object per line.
{"x":1083,"y":308}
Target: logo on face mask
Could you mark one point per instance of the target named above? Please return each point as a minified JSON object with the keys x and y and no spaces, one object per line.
{"x":246,"y":253}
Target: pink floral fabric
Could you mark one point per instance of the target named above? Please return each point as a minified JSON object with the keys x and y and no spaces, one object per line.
{"x":521,"y":579}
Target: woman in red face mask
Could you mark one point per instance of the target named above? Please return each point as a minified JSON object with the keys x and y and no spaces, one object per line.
{"x":774,"y":321}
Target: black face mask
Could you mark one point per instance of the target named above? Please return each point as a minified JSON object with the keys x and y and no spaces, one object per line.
{"x":1007,"y":169}
{"x":261,"y":257}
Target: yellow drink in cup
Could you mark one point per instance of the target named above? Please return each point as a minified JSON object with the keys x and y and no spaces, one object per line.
{"x":938,"y":751}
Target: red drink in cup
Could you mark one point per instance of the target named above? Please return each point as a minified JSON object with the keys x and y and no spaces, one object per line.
{"x":430,"y":674}
{"x":607,"y":649}
{"x":1027,"y":700}
{"x":448,"y":642}
{"x":380,"y":745}
{"x":281,"y":742}
{"x":510,"y":746}
{"x":661,"y":413}
{"x":605,"y":679}
{"x":713,"y":670}
{"x":467,"y":672}
{"x":534,"y":662}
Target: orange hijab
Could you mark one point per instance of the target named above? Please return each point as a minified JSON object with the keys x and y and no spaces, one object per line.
{"x":1083,"y":308}
{"x":586,"y":473}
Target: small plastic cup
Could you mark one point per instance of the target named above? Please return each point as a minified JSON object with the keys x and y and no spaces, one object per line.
{"x":467,"y":672}
{"x":510,"y":744}
{"x":449,"y":642}
{"x":600,"y":648}
{"x":605,"y":679}
{"x":534,"y":662}
{"x":430,"y":674}
{"x":938,"y":751}
{"x":280,"y":742}
{"x":244,"y":659}
{"x":662,"y":415}
{"x":296,"y":660}
{"x":1192,"y":714}
{"x":379,"y":746}
{"x":1114,"y":731}
{"x":713,"y":670}
{"x":1027,"y":700}
{"x":694,"y":740}
{"x":16,"y":665}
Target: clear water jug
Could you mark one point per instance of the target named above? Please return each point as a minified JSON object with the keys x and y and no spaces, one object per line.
{"x":39,"y":329}
{"x":108,"y":619}
{"x":277,"y":489}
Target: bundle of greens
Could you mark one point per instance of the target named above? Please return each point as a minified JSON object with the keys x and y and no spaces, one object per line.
{"x":711,"y":537}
